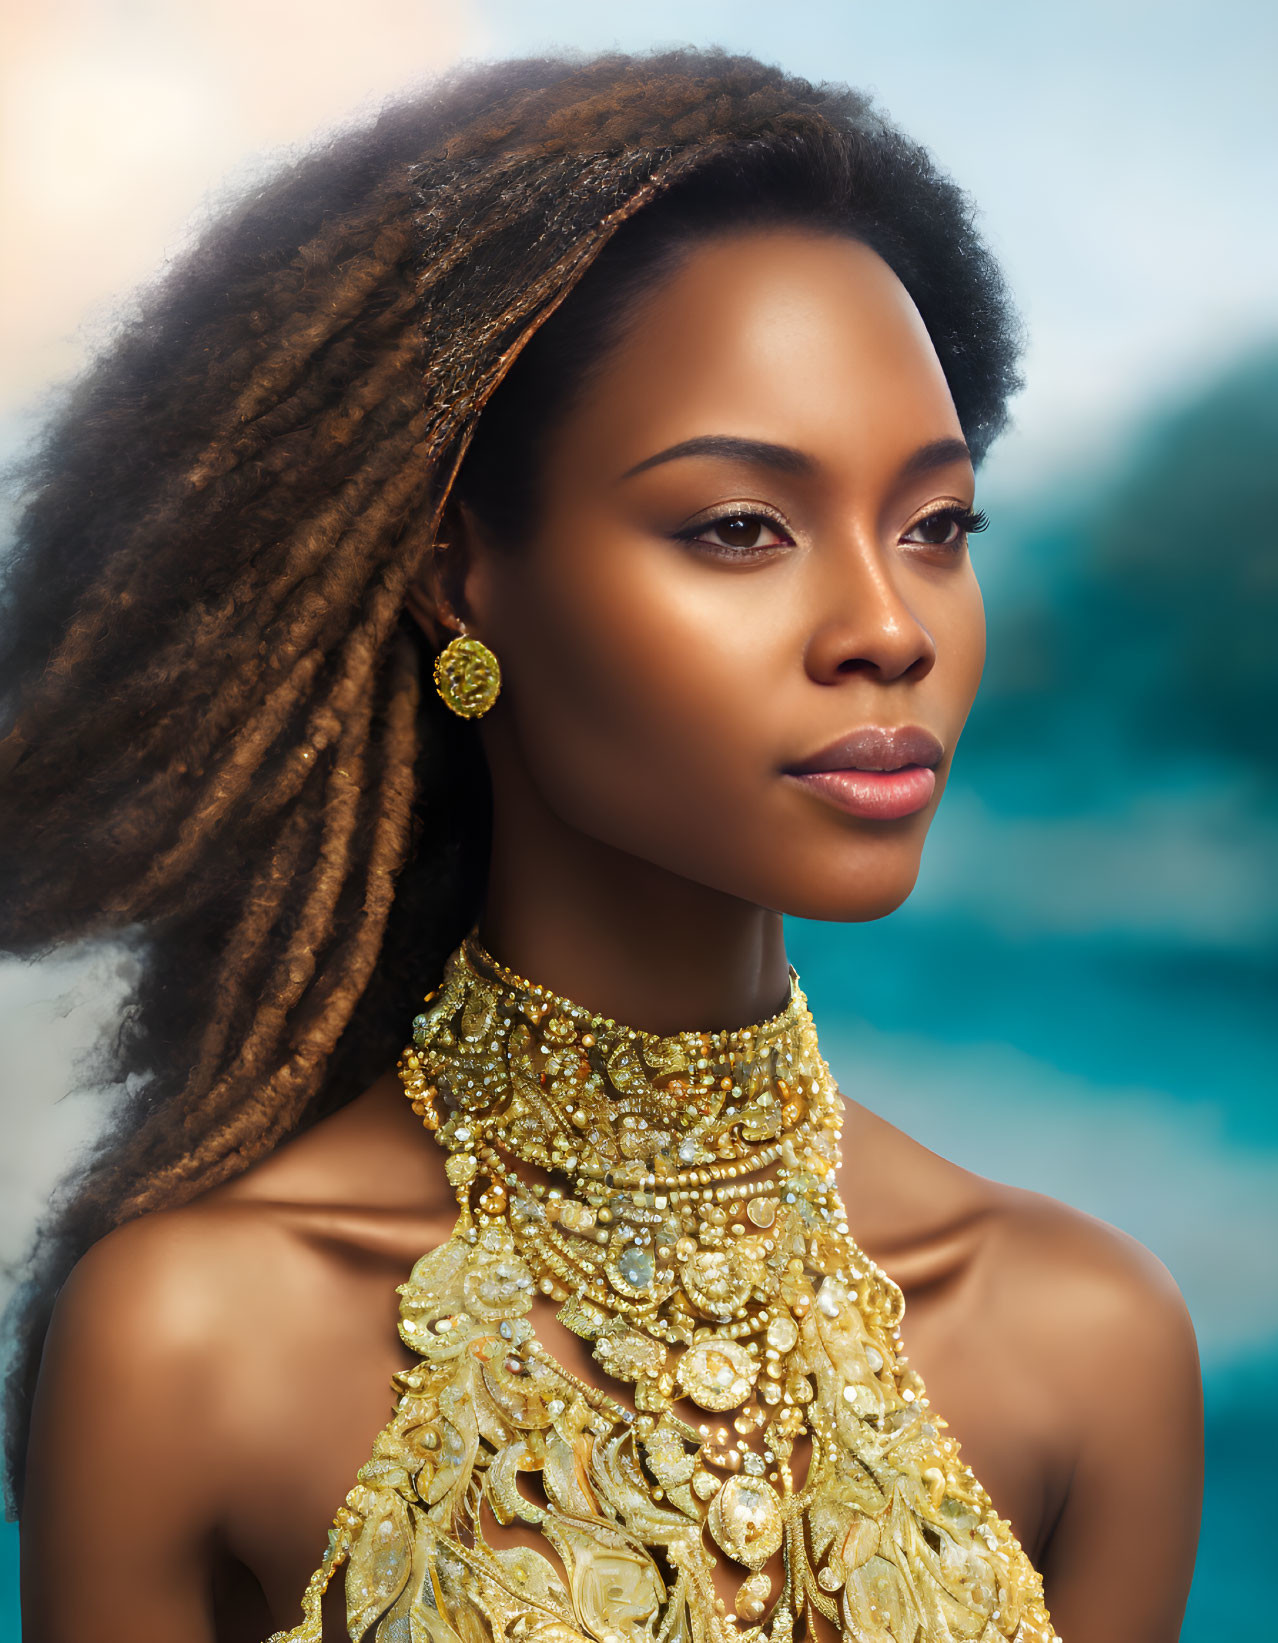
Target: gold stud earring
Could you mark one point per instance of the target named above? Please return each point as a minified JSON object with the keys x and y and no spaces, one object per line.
{"x":467,"y":676}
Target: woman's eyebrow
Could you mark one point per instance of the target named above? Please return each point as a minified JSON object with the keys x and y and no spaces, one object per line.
{"x":939,"y":454}
{"x":760,"y":453}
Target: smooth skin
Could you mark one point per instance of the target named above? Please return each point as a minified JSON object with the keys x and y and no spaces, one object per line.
{"x":215,"y":1375}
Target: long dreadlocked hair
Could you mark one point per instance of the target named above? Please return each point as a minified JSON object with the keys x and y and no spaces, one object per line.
{"x":220,"y":745}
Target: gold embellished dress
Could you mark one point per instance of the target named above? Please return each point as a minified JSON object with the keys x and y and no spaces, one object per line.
{"x":675,"y":1197}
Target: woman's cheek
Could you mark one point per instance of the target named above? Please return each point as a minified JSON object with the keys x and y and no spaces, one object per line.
{"x":639,"y":644}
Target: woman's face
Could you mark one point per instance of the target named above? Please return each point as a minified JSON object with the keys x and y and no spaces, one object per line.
{"x":749,"y":550}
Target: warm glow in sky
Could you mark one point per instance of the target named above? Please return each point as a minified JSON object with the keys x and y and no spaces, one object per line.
{"x":119,"y":115}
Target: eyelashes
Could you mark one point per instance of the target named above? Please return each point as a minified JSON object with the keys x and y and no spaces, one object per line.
{"x":741,"y":530}
{"x":959,"y":523}
{"x":741,"y":527}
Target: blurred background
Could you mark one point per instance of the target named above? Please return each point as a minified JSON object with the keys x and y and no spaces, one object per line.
{"x":1079,"y":996}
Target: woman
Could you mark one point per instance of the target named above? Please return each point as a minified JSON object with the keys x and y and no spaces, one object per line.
{"x":544,"y":515}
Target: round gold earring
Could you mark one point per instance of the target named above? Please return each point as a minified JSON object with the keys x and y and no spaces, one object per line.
{"x":467,"y":676}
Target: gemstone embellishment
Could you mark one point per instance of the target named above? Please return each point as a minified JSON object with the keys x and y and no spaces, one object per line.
{"x":718,"y":1375}
{"x":637,"y":1267}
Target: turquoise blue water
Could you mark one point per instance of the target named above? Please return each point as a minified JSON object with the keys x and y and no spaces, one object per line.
{"x":1199,"y":1027}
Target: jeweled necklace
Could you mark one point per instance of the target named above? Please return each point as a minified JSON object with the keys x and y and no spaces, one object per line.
{"x":690,"y":1184}
{"x":677,"y":1197}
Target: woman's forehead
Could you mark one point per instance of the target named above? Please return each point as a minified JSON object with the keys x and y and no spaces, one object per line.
{"x":806,"y":339}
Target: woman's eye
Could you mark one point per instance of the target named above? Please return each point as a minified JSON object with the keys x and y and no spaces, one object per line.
{"x":737,"y":531}
{"x":947,"y":528}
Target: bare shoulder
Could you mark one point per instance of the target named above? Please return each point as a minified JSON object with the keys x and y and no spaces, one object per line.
{"x":1062,"y":1261}
{"x":169,"y":1275}
{"x":1049,"y":1261}
{"x":133,"y":1410}
{"x":160,"y":1316}
{"x":191,"y":1356}
{"x":1066,"y":1357}
{"x":188,"y":1305}
{"x":1094,"y":1323}
{"x":1100,"y":1325}
{"x":147,"y":1303}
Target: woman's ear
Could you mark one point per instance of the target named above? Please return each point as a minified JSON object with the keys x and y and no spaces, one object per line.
{"x":420,"y":603}
{"x":435,"y":596}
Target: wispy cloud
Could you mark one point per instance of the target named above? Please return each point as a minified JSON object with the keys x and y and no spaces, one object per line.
{"x":52,"y":1015}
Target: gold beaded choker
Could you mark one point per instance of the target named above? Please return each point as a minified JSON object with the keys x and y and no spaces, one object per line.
{"x":697,"y":1167}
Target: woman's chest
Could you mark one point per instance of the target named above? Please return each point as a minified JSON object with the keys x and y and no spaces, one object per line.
{"x":1011,"y":1434}
{"x":1007,"y":1431}
{"x":307,"y":1397}
{"x":333,"y":1394}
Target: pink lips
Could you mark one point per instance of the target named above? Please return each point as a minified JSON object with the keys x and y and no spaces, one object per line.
{"x":875,"y":772}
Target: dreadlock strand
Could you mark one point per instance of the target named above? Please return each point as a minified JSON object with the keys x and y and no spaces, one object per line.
{"x":328,"y":309}
{"x":225,"y":786}
{"x":313,"y":928}
{"x":344,"y":978}
{"x":136,"y":828}
{"x":228,"y":785}
{"x":288,"y":611}
{"x":279,"y":789}
{"x":242,"y":963}
{"x":252,"y":1128}
{"x":211,"y":1109}
{"x":344,"y":981}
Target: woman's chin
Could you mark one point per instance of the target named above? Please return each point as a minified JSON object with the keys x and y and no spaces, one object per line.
{"x":853,"y":898}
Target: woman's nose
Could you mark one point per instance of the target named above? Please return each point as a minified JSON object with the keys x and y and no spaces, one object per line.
{"x":865,"y":622}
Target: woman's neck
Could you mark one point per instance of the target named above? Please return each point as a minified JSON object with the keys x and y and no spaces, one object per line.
{"x":625,"y":938}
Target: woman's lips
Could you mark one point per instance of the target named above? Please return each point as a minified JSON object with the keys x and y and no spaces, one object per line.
{"x":876,"y":771}
{"x":881,"y":795}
